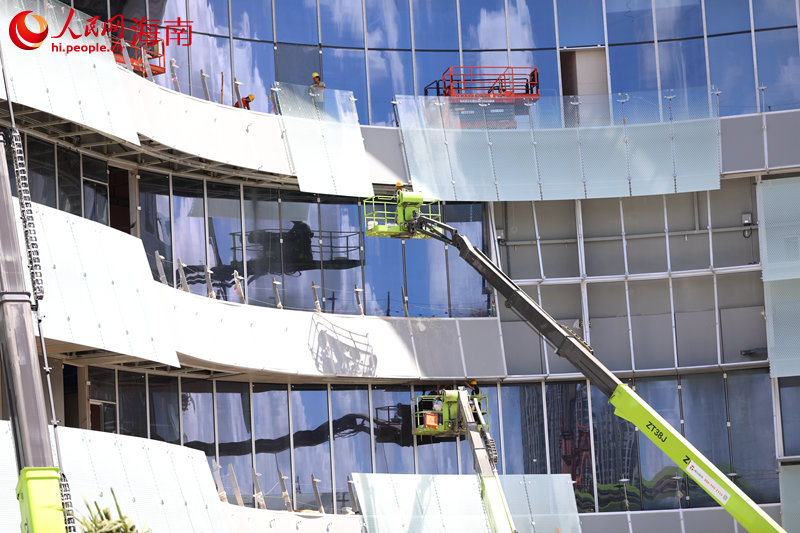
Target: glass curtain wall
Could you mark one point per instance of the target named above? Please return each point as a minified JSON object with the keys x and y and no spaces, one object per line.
{"x":95,"y":189}
{"x":272,"y":442}
{"x":326,"y":433}
{"x":235,"y":438}
{"x":291,"y":243}
{"x":189,"y":226}
{"x":380,"y":62}
{"x":155,"y":222}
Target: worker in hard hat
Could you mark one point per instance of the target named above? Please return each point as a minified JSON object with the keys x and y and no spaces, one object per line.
{"x":245,"y":103}
{"x":317,"y":91}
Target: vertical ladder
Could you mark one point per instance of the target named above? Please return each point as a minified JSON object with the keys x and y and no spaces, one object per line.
{"x":26,"y":212}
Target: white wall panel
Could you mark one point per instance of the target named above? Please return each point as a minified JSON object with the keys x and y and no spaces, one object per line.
{"x":99,"y":291}
{"x":159,"y":486}
{"x":286,"y":341}
{"x":81,"y":87}
{"x":221,"y":133}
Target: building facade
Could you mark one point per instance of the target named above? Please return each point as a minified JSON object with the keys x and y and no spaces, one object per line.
{"x":671,"y":290}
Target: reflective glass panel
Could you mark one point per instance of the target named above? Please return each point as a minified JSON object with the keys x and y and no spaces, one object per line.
{"x":252,"y":20}
{"x":233,"y":432}
{"x":187,"y":201}
{"x":790,"y":415}
{"x":727,"y":16}
{"x":224,"y":238}
{"x":132,"y":404}
{"x":351,"y":440}
{"x":213,"y":55}
{"x":197,"y":414}
{"x":69,"y":181}
{"x":94,"y":169}
{"x":388,"y":24}
{"x":311,"y":446}
{"x":682,"y":64}
{"x":753,"y":434}
{"x":346,"y":69}
{"x":254,"y":66}
{"x":467,"y":297}
{"x":629,"y":21}
{"x":730,"y":59}
{"x":164,"y":410}
{"x":209,"y":16}
{"x":531,"y":24}
{"x":155,"y":223}
{"x":633,"y":68}
{"x":431,"y":65}
{"x":341,"y":254}
{"x":777,"y":60}
{"x":663,"y":483}
{"x":493,"y":426}
{"x":102,"y":384}
{"x":435,"y":25}
{"x":40,"y":156}
{"x":569,"y":437}
{"x":296,"y":22}
{"x":383,"y":274}
{"x":483,"y":25}
{"x":616,"y":448}
{"x":546,"y":61}
{"x":394,"y":444}
{"x":580,"y":23}
{"x":271,"y":429}
{"x":95,"y":201}
{"x":262,"y":243}
{"x":342,"y":23}
{"x":705,"y":426}
{"x":301,"y":250}
{"x":390,"y":73}
{"x":295,"y":64}
{"x":678,"y":19}
{"x":427,"y":290}
{"x":523,"y":429}
{"x":773,"y":13}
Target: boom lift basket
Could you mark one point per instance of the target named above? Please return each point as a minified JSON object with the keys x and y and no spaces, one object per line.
{"x":388,"y":216}
{"x":437,"y":414}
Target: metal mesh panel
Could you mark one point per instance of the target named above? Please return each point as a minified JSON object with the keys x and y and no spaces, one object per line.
{"x":324,"y":139}
{"x":779,"y":228}
{"x":489,"y":149}
{"x":782,"y":305}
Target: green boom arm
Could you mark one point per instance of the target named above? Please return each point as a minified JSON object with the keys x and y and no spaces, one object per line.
{"x":627,"y":403}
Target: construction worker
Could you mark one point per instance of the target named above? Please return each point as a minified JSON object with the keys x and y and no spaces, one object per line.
{"x":245,"y":103}
{"x":318,"y":83}
{"x":317,"y":92}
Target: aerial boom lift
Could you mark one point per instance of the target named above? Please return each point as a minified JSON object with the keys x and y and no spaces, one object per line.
{"x":410,"y":222}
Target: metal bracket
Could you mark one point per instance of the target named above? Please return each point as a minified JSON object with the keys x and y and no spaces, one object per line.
{"x":182,"y":276}
{"x":358,"y":300}
{"x":235,"y":484}
{"x":203,"y":77}
{"x":314,"y":482}
{"x":314,"y":288}
{"x":275,"y":284}
{"x":162,"y":276}
{"x":237,"y":285}
{"x":287,"y":501}
{"x":209,"y":285}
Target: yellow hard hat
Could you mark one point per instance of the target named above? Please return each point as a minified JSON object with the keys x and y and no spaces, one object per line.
{"x":315,"y":74}
{"x":251,"y":97}
{"x":473,"y":382}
